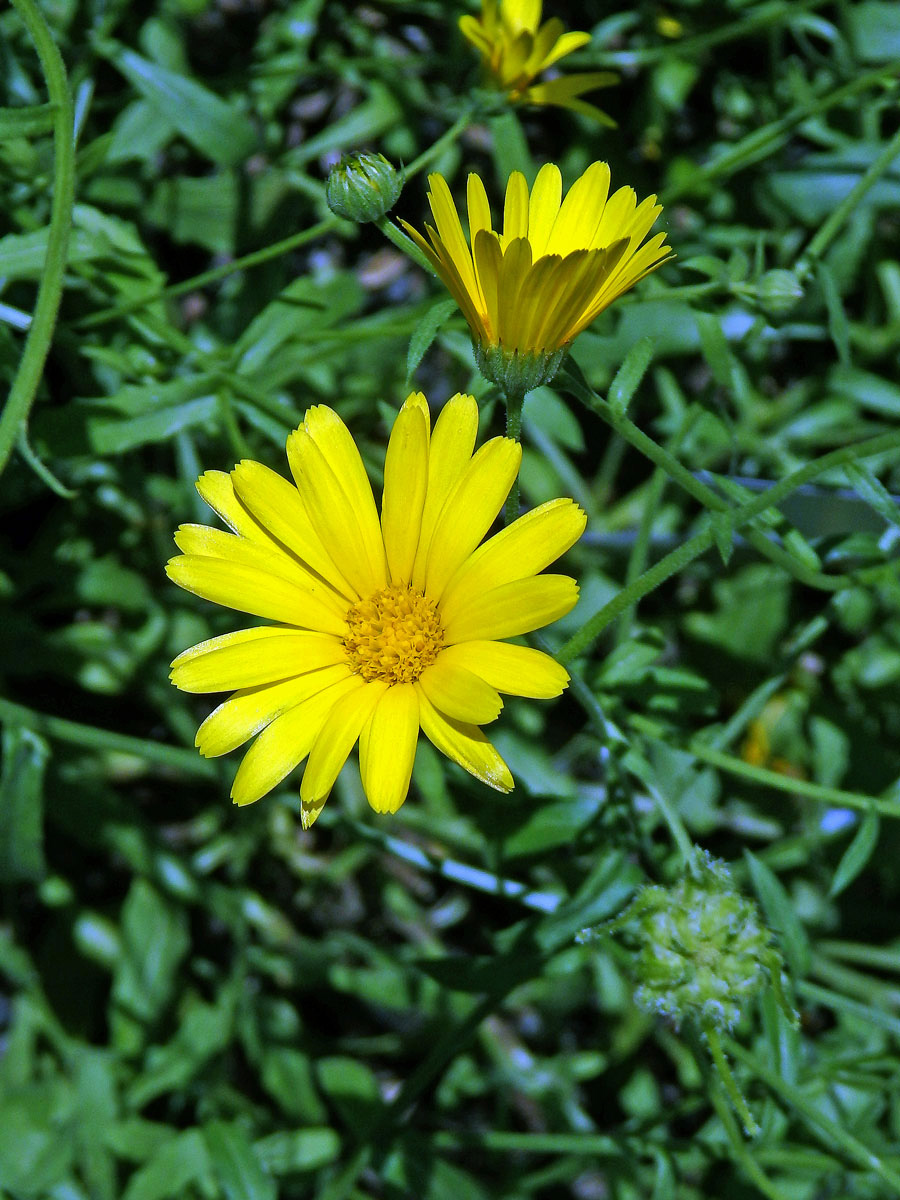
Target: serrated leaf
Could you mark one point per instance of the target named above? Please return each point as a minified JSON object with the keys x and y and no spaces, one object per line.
{"x":628,"y":378}
{"x":425,"y":332}
{"x":856,"y":856}
{"x":780,"y":914}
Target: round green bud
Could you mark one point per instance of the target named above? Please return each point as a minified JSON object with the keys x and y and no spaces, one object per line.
{"x":518,"y":372}
{"x":703,"y":950}
{"x":778,"y":291}
{"x":362,"y":187}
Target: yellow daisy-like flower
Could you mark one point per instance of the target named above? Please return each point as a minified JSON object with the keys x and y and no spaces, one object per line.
{"x":385,"y":625}
{"x":515,"y":47}
{"x":559,"y":262}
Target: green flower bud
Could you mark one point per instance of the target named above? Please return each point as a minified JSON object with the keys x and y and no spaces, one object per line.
{"x":703,"y":950}
{"x":777,"y":292}
{"x":362,"y":187}
{"x":517,"y":372}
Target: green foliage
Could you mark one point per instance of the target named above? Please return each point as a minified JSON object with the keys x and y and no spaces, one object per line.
{"x":203,"y":1003}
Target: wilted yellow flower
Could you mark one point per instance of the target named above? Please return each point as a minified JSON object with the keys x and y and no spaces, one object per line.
{"x":383,"y":624}
{"x":528,"y":291}
{"x":515,"y":48}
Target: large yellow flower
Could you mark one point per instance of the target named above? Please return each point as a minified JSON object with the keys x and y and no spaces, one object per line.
{"x":384,"y":624}
{"x":515,"y":48}
{"x":528,"y":291}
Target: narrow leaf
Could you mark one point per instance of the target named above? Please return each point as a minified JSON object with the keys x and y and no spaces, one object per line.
{"x":857,"y":854}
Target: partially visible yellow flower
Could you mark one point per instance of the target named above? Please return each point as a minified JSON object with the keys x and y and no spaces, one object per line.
{"x":515,"y":48}
{"x":528,"y":291}
{"x":383,"y":624}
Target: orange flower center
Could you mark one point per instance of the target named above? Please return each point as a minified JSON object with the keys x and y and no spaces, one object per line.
{"x":394,"y":635}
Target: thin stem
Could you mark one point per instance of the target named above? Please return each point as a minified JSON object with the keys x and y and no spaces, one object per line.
{"x":404,"y":243}
{"x":514,"y":403}
{"x":202,"y":280}
{"x":446,"y":139}
{"x":37,"y":344}
{"x":832,"y":1133}
{"x":90,"y":737}
{"x":831,"y":227}
{"x":720,"y":1062}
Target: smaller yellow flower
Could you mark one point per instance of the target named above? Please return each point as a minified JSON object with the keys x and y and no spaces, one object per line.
{"x":529,"y":291}
{"x":515,"y":48}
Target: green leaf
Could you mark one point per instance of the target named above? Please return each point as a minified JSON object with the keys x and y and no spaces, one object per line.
{"x":856,"y":856}
{"x":288,"y":1151}
{"x":154,"y":942}
{"x":628,"y":378}
{"x":715,"y":347}
{"x":838,"y":325}
{"x":352,"y":1088}
{"x":26,"y":121}
{"x":873,"y":491}
{"x":780,"y":914}
{"x":22,"y":805}
{"x":236,"y":1165}
{"x":213,"y":126}
{"x":874,"y":29}
{"x":175,"y":1165}
{"x":425,"y":332}
{"x":723,"y":529}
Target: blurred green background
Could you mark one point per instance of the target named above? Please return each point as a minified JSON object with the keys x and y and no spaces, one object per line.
{"x":200,"y":1002}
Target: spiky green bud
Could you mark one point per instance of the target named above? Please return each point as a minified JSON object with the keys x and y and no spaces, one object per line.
{"x":703,"y":949}
{"x":515,"y":372}
{"x":362,"y":187}
{"x":778,"y":291}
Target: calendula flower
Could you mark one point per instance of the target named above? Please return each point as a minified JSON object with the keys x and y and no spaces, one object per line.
{"x":559,"y":262}
{"x":383,"y":625}
{"x":515,"y":48}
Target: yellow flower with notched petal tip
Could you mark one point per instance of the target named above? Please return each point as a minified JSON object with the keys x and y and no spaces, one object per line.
{"x":515,"y":48}
{"x":384,"y":625}
{"x":559,"y":262}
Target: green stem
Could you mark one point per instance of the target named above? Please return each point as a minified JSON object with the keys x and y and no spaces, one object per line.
{"x":752,"y":146}
{"x":514,"y":403}
{"x":213,"y":276}
{"x":720,"y":1062}
{"x":834,"y":1134}
{"x":446,"y":139}
{"x":831,"y":227}
{"x":89,"y":737}
{"x":37,"y":344}
{"x":404,"y":243}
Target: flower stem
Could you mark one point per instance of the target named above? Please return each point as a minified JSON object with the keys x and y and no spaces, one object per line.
{"x":514,"y":403}
{"x":726,"y":1076}
{"x":40,"y":335}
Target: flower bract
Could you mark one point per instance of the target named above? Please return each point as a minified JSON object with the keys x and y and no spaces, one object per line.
{"x":515,"y":48}
{"x":382,"y":623}
{"x":528,"y":290}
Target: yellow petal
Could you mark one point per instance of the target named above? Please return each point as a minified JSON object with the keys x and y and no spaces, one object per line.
{"x":543,"y":207}
{"x":266,"y":556}
{"x":405,"y":482}
{"x":488,"y":264}
{"x":616,"y":218}
{"x":451,"y":450}
{"x":387,"y":748}
{"x":217,"y":490}
{"x":515,"y":670}
{"x":457,"y":692}
{"x":338,"y":448}
{"x":336,"y":739}
{"x":466,"y":745}
{"x":527,"y":546}
{"x":450,"y":232}
{"x":479,"y":208}
{"x":513,"y":272}
{"x":249,"y":710}
{"x":285,"y":743}
{"x":515,"y":210}
{"x":277,"y":506}
{"x":334,"y":517}
{"x":470,"y":511}
{"x":250,"y":590}
{"x":249,"y":657}
{"x":565,"y":45}
{"x":581,"y":211}
{"x":513,"y":609}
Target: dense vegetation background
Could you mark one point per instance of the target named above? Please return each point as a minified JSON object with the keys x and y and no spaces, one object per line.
{"x":202,"y":1002}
